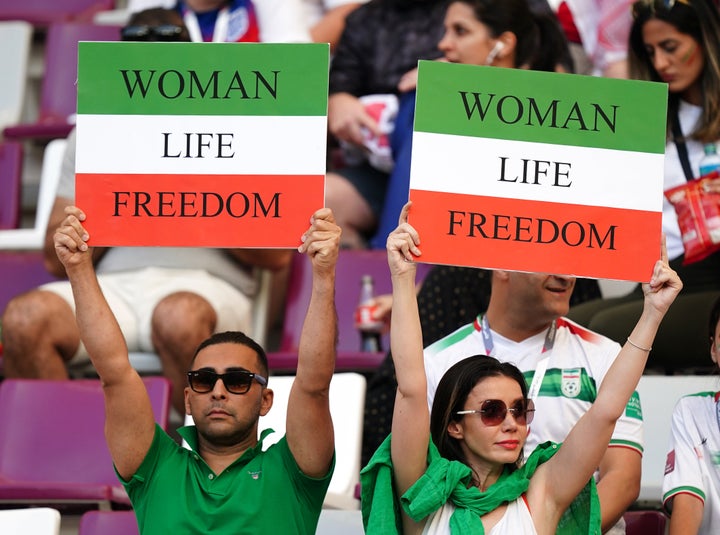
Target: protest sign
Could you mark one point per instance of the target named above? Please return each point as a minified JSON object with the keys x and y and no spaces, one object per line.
{"x":201,"y":144}
{"x":534,"y":171}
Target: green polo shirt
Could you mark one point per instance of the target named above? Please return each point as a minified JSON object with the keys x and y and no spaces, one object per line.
{"x":175,"y":492}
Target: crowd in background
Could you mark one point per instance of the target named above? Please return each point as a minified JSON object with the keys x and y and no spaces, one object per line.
{"x":170,"y":301}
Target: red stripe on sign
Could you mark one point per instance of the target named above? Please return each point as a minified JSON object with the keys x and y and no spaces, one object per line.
{"x":198,"y":210}
{"x":520,"y":235}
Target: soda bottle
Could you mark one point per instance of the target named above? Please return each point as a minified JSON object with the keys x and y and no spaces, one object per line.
{"x":711,"y":161}
{"x":365,"y":322}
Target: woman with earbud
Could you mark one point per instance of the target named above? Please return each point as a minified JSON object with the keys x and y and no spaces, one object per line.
{"x":501,"y":33}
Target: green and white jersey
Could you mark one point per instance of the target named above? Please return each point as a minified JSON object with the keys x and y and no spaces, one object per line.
{"x":175,"y":491}
{"x":577,"y":363}
{"x":693,"y":461}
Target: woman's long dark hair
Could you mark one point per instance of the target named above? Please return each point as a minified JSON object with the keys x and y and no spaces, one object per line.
{"x":541,"y":43}
{"x":452,"y":392}
{"x":700,"y":20}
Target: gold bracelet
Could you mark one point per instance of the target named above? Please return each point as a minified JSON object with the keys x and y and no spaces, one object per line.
{"x":638,"y":347}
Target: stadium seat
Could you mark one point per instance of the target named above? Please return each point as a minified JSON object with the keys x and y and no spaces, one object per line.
{"x":30,"y":520}
{"x":351,"y":266}
{"x":644,"y":523}
{"x":53,"y":448}
{"x":34,"y":238}
{"x":15,"y":38}
{"x":11,"y":155}
{"x":108,"y":523}
{"x":58,"y":99}
{"x":334,"y":522}
{"x":41,"y":13}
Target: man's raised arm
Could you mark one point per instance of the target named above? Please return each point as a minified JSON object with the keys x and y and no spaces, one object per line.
{"x":309,"y":428}
{"x":129,"y":424}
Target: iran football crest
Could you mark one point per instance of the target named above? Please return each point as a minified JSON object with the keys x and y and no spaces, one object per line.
{"x":570,"y":382}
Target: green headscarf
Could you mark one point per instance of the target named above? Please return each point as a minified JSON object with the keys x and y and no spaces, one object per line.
{"x":446,"y":480}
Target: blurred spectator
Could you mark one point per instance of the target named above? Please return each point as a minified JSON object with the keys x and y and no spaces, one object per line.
{"x":326,"y":18}
{"x":691,"y":487}
{"x":598,"y":32}
{"x":382,"y":41}
{"x":246,"y":21}
{"x":677,"y":43}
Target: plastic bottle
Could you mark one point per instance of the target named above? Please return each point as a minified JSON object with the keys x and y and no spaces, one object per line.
{"x":365,"y":322}
{"x":711,"y":161}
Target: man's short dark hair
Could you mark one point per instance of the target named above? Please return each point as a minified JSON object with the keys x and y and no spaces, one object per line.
{"x":240,"y":338}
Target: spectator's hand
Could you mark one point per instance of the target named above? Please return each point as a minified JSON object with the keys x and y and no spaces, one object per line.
{"x":382,"y":306}
{"x":71,"y":239}
{"x":347,"y":117}
{"x":664,"y":285}
{"x":321,"y":241}
{"x":408,"y":81}
{"x":402,"y":245}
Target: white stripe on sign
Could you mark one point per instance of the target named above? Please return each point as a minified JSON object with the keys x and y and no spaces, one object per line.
{"x":590,"y":176}
{"x":169,"y":144}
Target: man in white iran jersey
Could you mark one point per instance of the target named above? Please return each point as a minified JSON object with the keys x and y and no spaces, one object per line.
{"x":691,"y":487}
{"x":564,"y":365}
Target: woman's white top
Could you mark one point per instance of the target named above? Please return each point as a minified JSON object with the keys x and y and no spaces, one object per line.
{"x":515,"y":521}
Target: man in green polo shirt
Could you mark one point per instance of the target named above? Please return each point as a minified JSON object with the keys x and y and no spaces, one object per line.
{"x":225,"y":484}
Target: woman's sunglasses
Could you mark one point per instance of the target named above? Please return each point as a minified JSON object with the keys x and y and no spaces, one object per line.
{"x":163,"y":32}
{"x":493,"y":411}
{"x":656,"y":4}
{"x":236,"y":382}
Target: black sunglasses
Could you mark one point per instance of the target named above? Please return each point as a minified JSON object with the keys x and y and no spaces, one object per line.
{"x":655,"y":4}
{"x":163,"y":32}
{"x":236,"y":381}
{"x":493,"y":411}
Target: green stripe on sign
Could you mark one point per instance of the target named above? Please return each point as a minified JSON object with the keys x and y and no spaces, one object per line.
{"x":203,"y":79}
{"x":522,"y":105}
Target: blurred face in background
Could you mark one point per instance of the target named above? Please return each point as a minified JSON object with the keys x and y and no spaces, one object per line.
{"x":466,"y":39}
{"x":677,"y":57}
{"x":715,"y":345}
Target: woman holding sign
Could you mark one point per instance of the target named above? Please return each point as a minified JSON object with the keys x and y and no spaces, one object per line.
{"x":678,"y":43}
{"x":459,"y":469}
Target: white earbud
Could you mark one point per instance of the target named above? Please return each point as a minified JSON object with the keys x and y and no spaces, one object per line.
{"x":494,"y":52}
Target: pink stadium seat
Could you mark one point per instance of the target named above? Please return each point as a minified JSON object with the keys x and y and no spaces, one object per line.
{"x":644,"y":522}
{"x":352,"y":265}
{"x":11,"y":160}
{"x":53,"y":448}
{"x":58,"y":99}
{"x":108,"y":523}
{"x":41,"y":13}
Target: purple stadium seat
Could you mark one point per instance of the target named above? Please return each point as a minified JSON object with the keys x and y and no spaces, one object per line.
{"x":644,"y":522}
{"x":21,"y":271}
{"x":108,"y":523}
{"x":352,"y":265}
{"x":58,"y":98}
{"x":53,"y":448}
{"x":41,"y":13}
{"x":11,"y":160}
